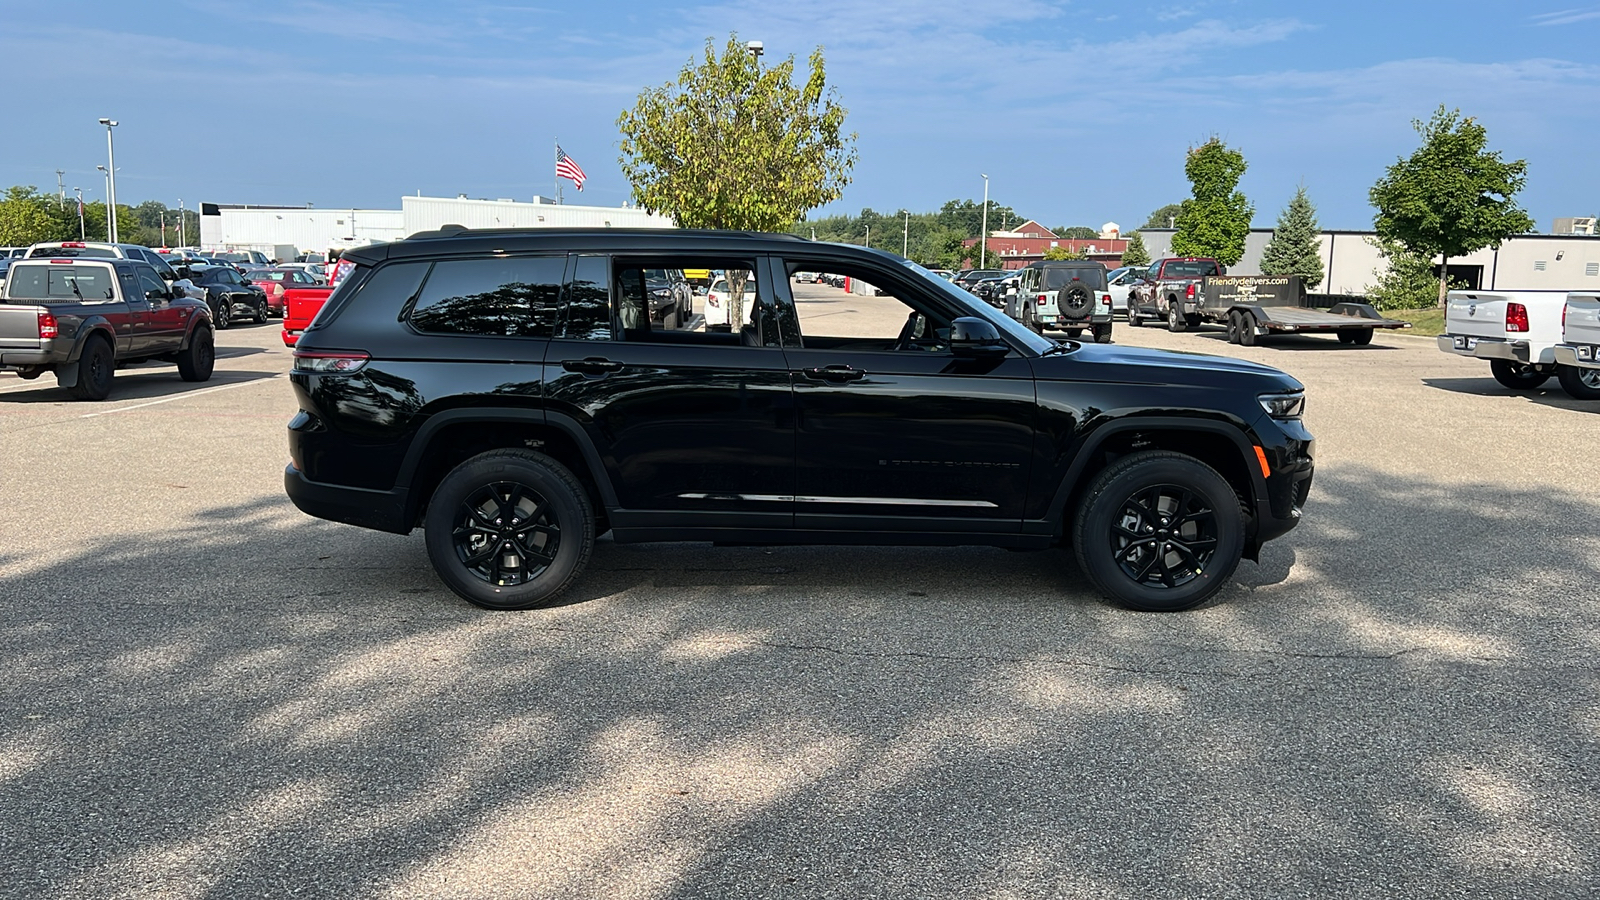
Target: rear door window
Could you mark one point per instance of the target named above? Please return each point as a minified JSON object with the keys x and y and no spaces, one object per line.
{"x":499,"y":296}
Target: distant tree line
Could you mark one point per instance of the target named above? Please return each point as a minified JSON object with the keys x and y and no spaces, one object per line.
{"x":934,"y":239}
{"x":28,"y":217}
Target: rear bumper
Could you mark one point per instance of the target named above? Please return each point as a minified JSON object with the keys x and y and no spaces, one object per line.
{"x":1484,"y":348}
{"x":1579,"y":356}
{"x":380,"y":510}
{"x":31,"y":358}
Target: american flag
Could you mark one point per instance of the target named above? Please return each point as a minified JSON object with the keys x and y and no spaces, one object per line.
{"x":567,"y":168}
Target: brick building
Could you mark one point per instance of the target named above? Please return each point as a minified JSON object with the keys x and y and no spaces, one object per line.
{"x":1028,"y":242}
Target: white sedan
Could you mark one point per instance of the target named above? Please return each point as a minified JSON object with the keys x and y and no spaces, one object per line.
{"x":718,"y":305}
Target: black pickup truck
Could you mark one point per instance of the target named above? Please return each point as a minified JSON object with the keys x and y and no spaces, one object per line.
{"x":81,"y":318}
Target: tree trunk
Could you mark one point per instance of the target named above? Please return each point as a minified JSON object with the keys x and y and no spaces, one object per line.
{"x":1444,"y":279}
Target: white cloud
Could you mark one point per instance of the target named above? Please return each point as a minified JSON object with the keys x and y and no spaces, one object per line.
{"x":1565,"y":17}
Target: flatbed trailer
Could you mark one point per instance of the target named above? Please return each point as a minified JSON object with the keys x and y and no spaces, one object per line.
{"x":1255,"y":306}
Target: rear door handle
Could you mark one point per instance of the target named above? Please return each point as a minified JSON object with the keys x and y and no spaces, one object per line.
{"x":591,"y":366}
{"x":834,"y":373}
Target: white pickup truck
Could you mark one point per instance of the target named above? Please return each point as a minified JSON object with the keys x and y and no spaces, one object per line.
{"x":1516,"y":331}
{"x":1578,"y":354}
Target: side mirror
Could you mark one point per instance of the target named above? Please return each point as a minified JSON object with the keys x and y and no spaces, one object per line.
{"x":976,"y":338}
{"x":168,"y":275}
{"x":156,"y":296}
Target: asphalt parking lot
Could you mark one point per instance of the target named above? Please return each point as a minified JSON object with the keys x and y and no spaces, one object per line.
{"x":208,"y":694}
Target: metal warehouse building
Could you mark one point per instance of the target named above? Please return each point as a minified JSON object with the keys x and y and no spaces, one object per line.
{"x":319,"y":230}
{"x":1526,"y":262}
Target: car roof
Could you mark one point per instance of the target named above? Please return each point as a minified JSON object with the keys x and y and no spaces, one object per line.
{"x":637,"y":241}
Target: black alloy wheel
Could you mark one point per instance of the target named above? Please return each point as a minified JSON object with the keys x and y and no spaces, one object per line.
{"x":261,"y":311}
{"x":509,"y":529}
{"x":1517,"y":376}
{"x":1077,"y":299}
{"x":1159,"y":531}
{"x":222,"y":313}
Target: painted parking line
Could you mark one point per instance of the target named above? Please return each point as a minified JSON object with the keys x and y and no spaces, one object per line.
{"x":185,"y":396}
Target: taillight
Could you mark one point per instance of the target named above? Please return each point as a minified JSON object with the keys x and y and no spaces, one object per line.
{"x":48,"y":328}
{"x":1188,"y":293}
{"x":1041,"y":299}
{"x":63,"y":262}
{"x":1516,"y":317}
{"x":330,"y":362}
{"x":1564,"y":318}
{"x":73,"y":244}
{"x":343,"y":268}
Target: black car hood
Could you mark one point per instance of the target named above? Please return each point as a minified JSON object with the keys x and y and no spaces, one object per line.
{"x":1108,"y":362}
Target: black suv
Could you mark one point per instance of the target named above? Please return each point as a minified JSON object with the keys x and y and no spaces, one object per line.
{"x":508,"y":391}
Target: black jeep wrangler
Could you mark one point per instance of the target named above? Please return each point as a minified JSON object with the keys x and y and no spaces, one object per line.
{"x":509,"y":392}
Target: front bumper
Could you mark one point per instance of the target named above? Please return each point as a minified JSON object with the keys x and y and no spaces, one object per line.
{"x":1484,"y":348}
{"x":1579,"y":356}
{"x":380,"y":510}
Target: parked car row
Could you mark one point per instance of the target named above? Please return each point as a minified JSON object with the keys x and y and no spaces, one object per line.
{"x":1528,"y":336}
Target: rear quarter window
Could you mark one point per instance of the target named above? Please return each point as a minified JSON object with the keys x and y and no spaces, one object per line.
{"x":495,"y":296}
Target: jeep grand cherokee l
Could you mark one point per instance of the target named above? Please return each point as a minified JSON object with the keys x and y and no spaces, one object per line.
{"x":508,"y":391}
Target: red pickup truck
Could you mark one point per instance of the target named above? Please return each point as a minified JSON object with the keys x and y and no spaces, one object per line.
{"x":301,"y":304}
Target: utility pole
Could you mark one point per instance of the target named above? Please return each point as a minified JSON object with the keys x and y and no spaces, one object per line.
{"x":111,"y":180}
{"x":905,"y":239}
{"x":79,"y":192}
{"x":869,"y":236}
{"x":983,"y":240}
{"x":61,"y":189}
{"x":183,"y":236}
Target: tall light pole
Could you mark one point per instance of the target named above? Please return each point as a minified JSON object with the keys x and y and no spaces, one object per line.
{"x":983,"y":241}
{"x":111,"y":180}
{"x":755,"y":48}
{"x":107,"y":172}
{"x":183,"y":234}
{"x":905,"y":237}
{"x":79,"y":192}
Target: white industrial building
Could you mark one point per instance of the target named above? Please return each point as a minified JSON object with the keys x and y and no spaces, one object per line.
{"x":1530,"y":262}
{"x":273,"y":229}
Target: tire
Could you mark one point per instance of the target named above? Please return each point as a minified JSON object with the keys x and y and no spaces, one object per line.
{"x":96,"y":366}
{"x":1134,"y":321}
{"x":261,"y":311}
{"x":1347,"y":336}
{"x":1126,"y":543}
{"x":1247,"y":329}
{"x":1580,"y":384}
{"x":1363,"y":336}
{"x":1175,"y":323}
{"x":1030,"y":319}
{"x":1190,"y":323}
{"x":1102,"y":333}
{"x":199,"y":359}
{"x":1516,"y":376}
{"x":550,"y":536}
{"x":222,"y":314}
{"x":1076,"y":301}
{"x":1233,"y":327}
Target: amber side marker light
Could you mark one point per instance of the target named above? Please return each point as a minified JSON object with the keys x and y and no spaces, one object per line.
{"x":1261,"y":457}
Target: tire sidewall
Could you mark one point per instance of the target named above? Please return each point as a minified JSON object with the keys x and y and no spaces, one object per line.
{"x":538,"y":472}
{"x":1103,"y":504}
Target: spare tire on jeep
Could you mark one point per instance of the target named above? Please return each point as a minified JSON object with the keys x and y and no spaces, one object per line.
{"x":1076,"y":301}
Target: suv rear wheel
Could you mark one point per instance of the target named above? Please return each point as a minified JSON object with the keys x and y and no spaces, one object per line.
{"x":1159,"y":531}
{"x":509,"y":529}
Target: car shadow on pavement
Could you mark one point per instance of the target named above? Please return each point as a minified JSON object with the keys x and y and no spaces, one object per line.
{"x":245,"y":701}
{"x":1300,"y":343}
{"x":1548,"y":394}
{"x":131,"y":384}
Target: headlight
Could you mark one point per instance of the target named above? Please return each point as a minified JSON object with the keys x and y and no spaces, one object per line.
{"x":661,"y":292}
{"x":1284,"y":406}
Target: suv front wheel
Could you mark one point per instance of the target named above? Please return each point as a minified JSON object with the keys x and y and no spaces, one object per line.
{"x":1159,"y":531}
{"x":509,"y":529}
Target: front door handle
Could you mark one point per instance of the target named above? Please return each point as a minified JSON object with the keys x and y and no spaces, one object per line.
{"x":834,"y":373}
{"x":592,"y":366}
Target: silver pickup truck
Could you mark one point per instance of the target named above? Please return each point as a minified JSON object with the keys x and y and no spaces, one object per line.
{"x":81,"y":318}
{"x":1578,"y":354}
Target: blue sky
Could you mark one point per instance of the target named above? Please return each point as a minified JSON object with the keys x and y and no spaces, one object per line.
{"x":1079,"y":112}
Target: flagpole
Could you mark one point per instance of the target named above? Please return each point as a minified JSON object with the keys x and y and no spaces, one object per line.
{"x":558,"y":174}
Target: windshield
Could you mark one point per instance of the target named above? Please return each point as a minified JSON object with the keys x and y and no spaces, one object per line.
{"x":59,"y":284}
{"x":970,"y":306}
{"x":1093,"y":277}
{"x":232,"y":257}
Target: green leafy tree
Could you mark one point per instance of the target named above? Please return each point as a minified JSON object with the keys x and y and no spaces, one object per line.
{"x":1165,"y":217}
{"x":1135,"y":254}
{"x":1408,"y":281}
{"x":1061,"y":251}
{"x":1296,"y":244}
{"x":26,"y":217}
{"x":733,"y":144}
{"x":1452,"y":196}
{"x":1215,"y":221}
{"x":1079,"y":232}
